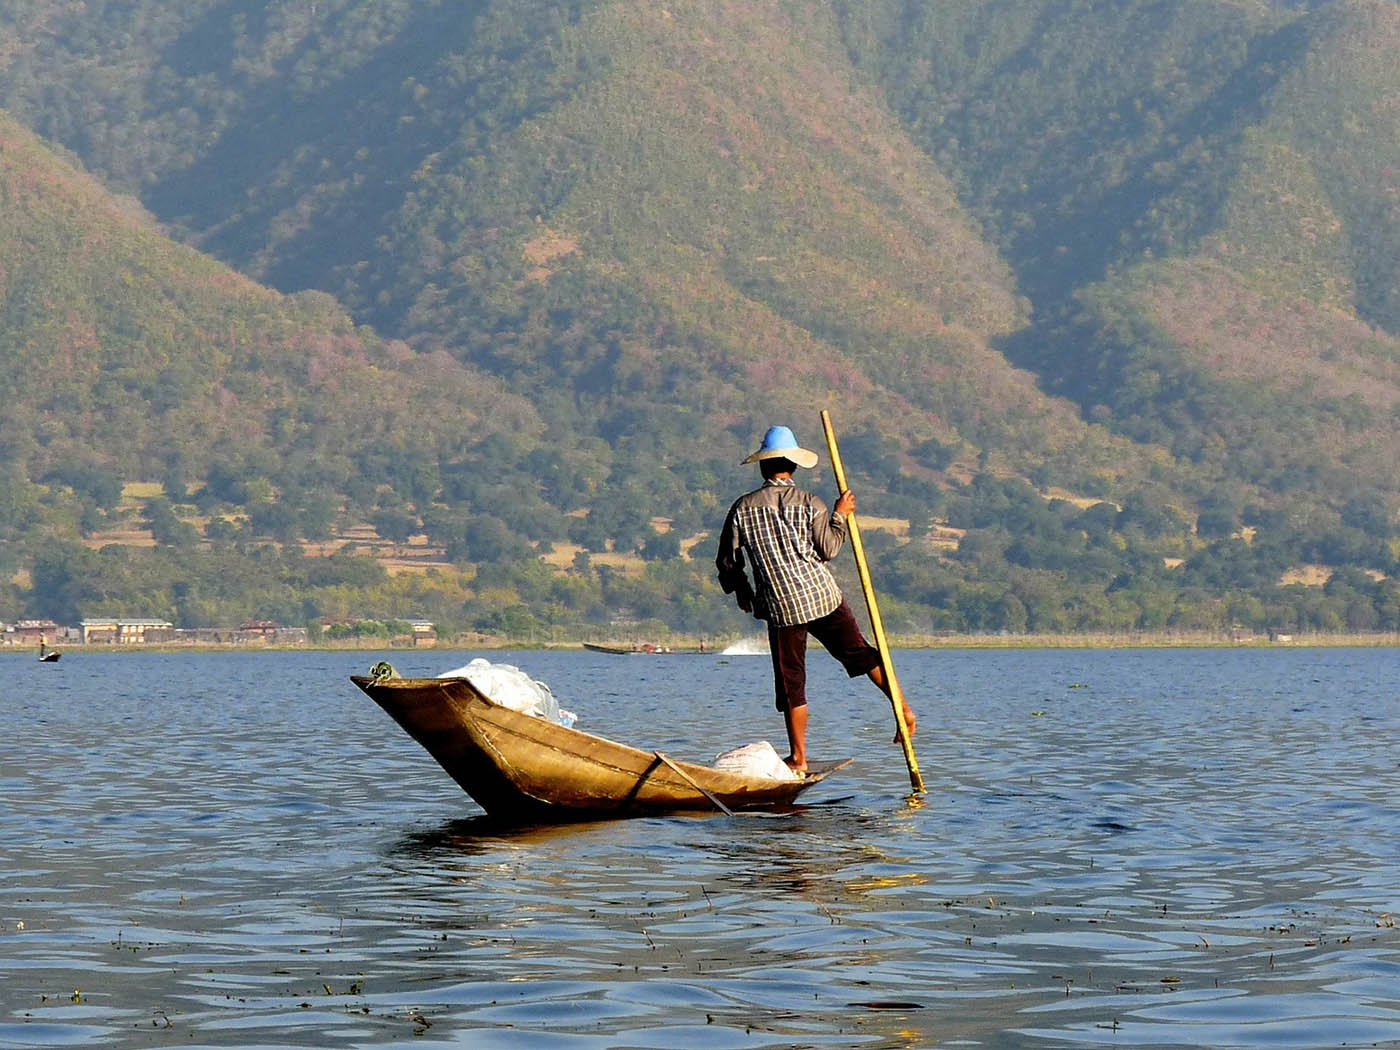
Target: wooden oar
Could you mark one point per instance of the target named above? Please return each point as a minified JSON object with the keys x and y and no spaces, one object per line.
{"x":916,"y":779}
{"x":691,"y":781}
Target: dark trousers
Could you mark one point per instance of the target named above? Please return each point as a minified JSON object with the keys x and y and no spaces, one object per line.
{"x":838,"y":632}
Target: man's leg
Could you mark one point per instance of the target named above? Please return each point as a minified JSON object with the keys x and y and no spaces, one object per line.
{"x":788,"y":648}
{"x":796,"y":720}
{"x":877,"y":675}
{"x":840,"y":633}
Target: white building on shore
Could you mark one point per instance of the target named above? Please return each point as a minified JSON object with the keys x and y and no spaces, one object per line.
{"x":124,"y":631}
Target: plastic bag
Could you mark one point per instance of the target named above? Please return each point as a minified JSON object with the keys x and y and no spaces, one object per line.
{"x":755,"y":760}
{"x":509,"y":686}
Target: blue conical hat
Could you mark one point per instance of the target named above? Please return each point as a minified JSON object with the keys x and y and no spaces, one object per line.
{"x":780,"y":442}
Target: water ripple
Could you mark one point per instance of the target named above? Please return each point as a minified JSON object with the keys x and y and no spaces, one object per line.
{"x":1121,"y":849}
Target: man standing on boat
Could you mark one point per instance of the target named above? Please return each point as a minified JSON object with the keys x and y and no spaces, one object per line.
{"x":786,"y":535}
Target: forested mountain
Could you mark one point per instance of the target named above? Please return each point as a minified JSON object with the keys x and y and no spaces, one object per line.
{"x":128,"y":356}
{"x":1201,"y":197}
{"x":1127,"y":252}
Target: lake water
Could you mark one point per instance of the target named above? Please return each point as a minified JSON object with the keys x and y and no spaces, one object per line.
{"x":1146,"y":848}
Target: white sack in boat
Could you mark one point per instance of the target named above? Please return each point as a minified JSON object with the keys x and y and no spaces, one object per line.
{"x":511,"y":687}
{"x":755,"y":760}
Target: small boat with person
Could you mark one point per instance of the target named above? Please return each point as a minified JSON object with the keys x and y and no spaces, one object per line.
{"x":522,"y":768}
{"x":643,"y":649}
{"x":47,"y":655}
{"x":614,"y":650}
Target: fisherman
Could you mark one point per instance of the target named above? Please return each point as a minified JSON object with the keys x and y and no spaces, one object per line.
{"x":786,"y":535}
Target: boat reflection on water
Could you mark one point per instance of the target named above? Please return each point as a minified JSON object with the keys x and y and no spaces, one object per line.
{"x":483,"y":833}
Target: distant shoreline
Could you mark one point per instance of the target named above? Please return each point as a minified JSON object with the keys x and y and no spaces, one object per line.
{"x":689,"y":647}
{"x":1154,"y":640}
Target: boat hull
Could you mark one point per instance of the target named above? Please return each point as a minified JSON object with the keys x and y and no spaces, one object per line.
{"x":525,"y":769}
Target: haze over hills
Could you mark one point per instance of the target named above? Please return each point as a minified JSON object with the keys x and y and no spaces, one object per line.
{"x":131,"y":357}
{"x":1136,"y":252}
{"x":127,"y":347}
{"x":1185,"y":166}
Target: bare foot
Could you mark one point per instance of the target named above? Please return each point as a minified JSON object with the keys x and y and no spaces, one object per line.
{"x":909,"y":721}
{"x":800,"y":768}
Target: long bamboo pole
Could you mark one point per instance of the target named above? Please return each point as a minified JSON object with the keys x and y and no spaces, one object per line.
{"x":916,"y":779}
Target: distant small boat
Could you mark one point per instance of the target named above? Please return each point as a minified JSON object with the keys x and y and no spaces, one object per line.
{"x":646,"y":649}
{"x":47,"y":655}
{"x":525,"y":769}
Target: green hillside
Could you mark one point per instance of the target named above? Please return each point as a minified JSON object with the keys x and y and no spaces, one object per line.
{"x":1138,"y":253}
{"x":701,"y":183}
{"x":1268,"y":349}
{"x":129,"y":357}
{"x":1248,"y":144}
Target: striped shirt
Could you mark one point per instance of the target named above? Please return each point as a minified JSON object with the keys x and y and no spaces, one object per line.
{"x":787,"y":536}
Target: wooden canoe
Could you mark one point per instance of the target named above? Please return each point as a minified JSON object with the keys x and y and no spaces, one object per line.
{"x":645,"y":649}
{"x":525,"y":769}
